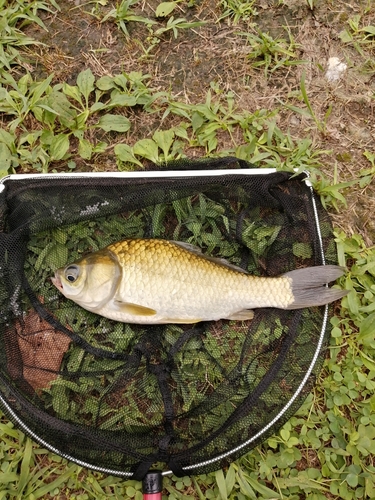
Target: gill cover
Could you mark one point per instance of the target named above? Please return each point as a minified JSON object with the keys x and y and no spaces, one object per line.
{"x":91,"y":281}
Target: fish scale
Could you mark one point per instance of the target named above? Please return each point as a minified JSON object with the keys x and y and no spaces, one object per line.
{"x":152,"y":281}
{"x":198,"y":284}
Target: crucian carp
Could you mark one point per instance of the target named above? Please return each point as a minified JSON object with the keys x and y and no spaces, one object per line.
{"x":150,"y":281}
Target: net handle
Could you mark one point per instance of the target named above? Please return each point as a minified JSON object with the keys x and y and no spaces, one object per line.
{"x":152,"y":485}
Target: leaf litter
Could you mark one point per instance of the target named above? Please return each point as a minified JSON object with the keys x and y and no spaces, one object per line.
{"x":41,"y":349}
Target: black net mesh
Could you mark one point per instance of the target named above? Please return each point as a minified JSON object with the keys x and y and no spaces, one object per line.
{"x":124,"y":397}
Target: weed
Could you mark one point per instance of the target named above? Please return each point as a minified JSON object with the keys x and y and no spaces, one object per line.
{"x":155,"y":36}
{"x":13,"y":17}
{"x":309,"y":112}
{"x":359,"y":36}
{"x":64,"y":112}
{"x":310,"y":3}
{"x":123,"y":14}
{"x":175,"y":25}
{"x":237,"y":11}
{"x":331,"y":191}
{"x":270,"y":53}
{"x":166,"y":8}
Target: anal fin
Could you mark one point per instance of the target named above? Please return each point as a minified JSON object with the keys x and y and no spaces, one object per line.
{"x":189,"y":321}
{"x":243,"y":315}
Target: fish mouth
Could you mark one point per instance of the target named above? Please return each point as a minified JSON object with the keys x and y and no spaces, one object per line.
{"x":57,"y":281}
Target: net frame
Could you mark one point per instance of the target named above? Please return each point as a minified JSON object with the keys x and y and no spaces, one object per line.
{"x":174,"y":174}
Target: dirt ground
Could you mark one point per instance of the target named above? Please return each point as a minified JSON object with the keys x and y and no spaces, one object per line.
{"x":186,"y":65}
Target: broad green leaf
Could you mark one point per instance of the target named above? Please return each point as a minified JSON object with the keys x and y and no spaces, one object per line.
{"x":368,"y":309}
{"x":164,"y":139}
{"x":116,"y":123}
{"x":85,"y":149}
{"x":40,"y":260}
{"x":369,"y":29}
{"x":181,"y":131}
{"x":46,"y":108}
{"x":130,"y":492}
{"x":85,"y":83}
{"x":59,"y":146}
{"x":60,"y":236}
{"x":5,"y":158}
{"x":366,"y":441}
{"x":3,"y":94}
{"x":148,"y":149}
{"x":197,"y":120}
{"x":341,"y":257}
{"x":6,"y":137}
{"x":39,"y":90}
{"x":125,"y":153}
{"x":100,"y":147}
{"x":206,"y":112}
{"x":3,"y":173}
{"x":38,"y":113}
{"x":73,"y":92}
{"x":285,"y":434}
{"x":367,"y":329}
{"x":369,"y":487}
{"x":61,"y":105}
{"x":97,"y":106}
{"x":57,"y":256}
{"x":220,"y":481}
{"x":352,"y":297}
{"x":105,"y":83}
{"x":165,"y":8}
{"x":122,"y":100}
{"x":23,"y":83}
{"x":46,"y":137}
{"x":352,"y":480}
{"x":122,"y":81}
{"x":81,"y":120}
{"x":8,"y":477}
{"x":230,"y":479}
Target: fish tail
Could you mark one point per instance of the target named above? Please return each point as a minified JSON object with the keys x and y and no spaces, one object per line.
{"x":308,"y":286}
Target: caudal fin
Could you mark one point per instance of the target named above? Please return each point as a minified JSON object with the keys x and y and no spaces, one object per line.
{"x":308,"y":286}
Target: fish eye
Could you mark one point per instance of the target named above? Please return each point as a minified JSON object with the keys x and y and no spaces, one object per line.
{"x":71,"y":273}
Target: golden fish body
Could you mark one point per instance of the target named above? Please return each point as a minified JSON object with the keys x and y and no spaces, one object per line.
{"x":152,"y":281}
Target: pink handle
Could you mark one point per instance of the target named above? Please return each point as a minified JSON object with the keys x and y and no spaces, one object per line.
{"x":152,"y":485}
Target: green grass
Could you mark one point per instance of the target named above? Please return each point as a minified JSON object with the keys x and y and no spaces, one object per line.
{"x":271,"y":54}
{"x":64,"y":117}
{"x":326,"y":450}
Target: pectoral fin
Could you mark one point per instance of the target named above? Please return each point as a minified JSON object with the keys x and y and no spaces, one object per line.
{"x":242,"y":315}
{"x":134,"y":309}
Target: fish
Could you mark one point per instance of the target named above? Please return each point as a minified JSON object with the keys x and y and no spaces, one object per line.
{"x":155,"y":281}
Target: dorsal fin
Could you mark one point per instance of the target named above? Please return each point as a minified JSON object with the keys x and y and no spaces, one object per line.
{"x":217,"y":260}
